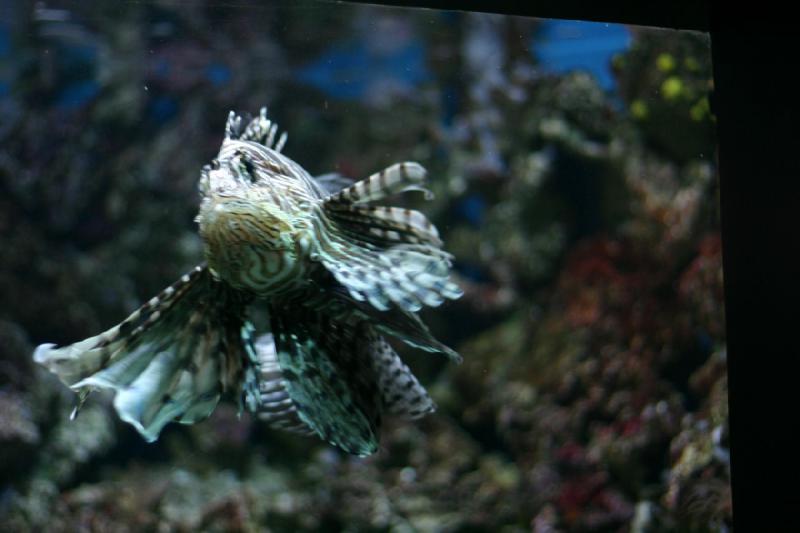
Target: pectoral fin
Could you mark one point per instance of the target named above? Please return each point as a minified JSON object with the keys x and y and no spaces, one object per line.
{"x":170,"y":360}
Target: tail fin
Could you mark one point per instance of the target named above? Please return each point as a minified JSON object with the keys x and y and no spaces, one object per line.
{"x":168,"y":361}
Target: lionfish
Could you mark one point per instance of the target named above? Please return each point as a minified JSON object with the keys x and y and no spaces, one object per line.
{"x":337,"y":275}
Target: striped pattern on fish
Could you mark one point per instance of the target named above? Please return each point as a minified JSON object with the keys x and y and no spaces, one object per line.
{"x":336,"y":273}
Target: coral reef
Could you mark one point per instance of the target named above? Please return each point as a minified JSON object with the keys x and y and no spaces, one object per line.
{"x":593,"y":393}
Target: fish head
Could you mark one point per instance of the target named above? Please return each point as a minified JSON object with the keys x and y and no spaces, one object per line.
{"x":233,"y":173}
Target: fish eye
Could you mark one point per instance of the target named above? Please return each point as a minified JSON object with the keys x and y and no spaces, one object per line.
{"x":249,"y":168}
{"x":244,"y":167}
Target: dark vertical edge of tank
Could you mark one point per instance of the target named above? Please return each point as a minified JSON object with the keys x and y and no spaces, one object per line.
{"x":755,"y":103}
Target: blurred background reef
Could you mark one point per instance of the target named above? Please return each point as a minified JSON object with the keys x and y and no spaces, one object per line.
{"x":581,"y":206}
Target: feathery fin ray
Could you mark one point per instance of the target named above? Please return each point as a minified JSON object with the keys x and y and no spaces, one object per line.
{"x":330,"y":378}
{"x":383,"y":255}
{"x":171,"y":359}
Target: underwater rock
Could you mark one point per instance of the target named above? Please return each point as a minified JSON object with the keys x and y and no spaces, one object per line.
{"x":667,"y":81}
{"x":19,"y":434}
{"x":15,"y":363}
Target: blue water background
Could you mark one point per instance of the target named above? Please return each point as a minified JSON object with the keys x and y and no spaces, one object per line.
{"x":345,"y":70}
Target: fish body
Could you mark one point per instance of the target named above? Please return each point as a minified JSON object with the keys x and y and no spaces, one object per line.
{"x":256,"y":218}
{"x":336,"y":274}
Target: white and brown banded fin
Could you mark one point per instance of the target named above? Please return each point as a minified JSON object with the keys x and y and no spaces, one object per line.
{"x":259,"y":129}
{"x":326,"y":365}
{"x":384,"y":226}
{"x":76,"y":361}
{"x":170,"y":360}
{"x":406,"y":275}
{"x":387,"y":256}
{"x":401,"y":393}
{"x":275,"y":406}
{"x":232,"y":126}
{"x":398,"y":178}
{"x":395,"y":322}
